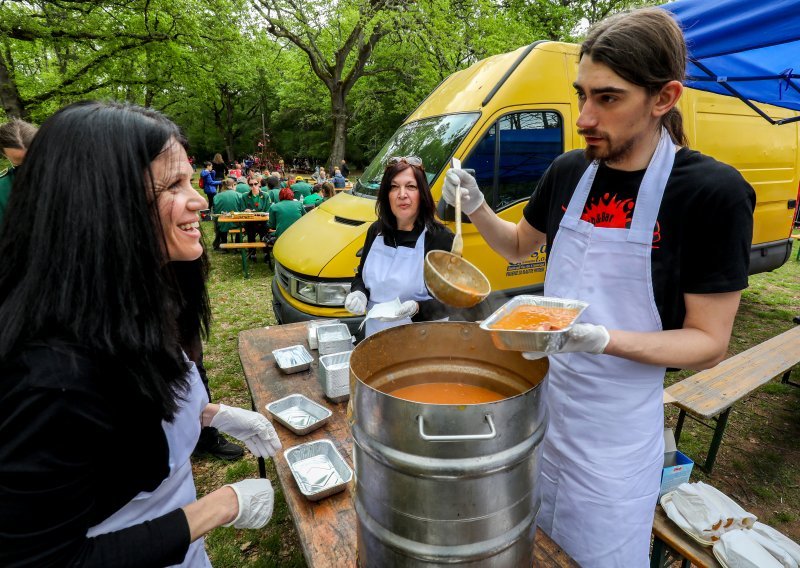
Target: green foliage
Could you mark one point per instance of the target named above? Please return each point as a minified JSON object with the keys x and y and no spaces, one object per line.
{"x":218,"y":66}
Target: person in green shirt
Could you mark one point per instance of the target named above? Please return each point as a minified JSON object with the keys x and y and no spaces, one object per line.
{"x":241,"y":185}
{"x":284,"y":213}
{"x":256,"y":201}
{"x":315,"y":197}
{"x":301,"y":188}
{"x":274,"y":185}
{"x":15,"y":138}
{"x":226,"y":201}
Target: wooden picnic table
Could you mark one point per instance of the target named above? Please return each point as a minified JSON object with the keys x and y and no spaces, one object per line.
{"x":243,"y":218}
{"x":327,"y":528}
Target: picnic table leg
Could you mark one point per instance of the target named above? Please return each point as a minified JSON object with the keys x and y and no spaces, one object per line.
{"x":679,"y":426}
{"x":262,"y":466}
{"x":244,"y":263}
{"x":785,"y":379}
{"x":722,"y":421}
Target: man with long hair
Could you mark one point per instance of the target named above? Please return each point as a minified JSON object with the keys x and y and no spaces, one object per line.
{"x":15,"y":138}
{"x":628,"y":224}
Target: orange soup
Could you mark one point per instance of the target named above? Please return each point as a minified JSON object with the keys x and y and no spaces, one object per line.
{"x":536,"y":318}
{"x":447,"y":393}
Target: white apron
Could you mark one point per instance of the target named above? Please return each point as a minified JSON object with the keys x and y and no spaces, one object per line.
{"x":604,"y":448}
{"x":177,"y":489}
{"x":394,"y":272}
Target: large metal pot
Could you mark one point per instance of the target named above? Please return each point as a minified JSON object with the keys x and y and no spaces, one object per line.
{"x":443,"y":484}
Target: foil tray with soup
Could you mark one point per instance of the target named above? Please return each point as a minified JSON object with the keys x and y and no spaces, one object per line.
{"x":533,"y":323}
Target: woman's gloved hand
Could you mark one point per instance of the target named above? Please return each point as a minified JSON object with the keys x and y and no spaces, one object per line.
{"x":356,"y":303}
{"x":407,"y":309}
{"x":256,"y":500}
{"x":250,"y":427}
{"x":581,"y":338}
{"x":471,"y":196}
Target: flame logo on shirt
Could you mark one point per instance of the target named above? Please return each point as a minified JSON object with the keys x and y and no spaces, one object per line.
{"x":611,"y":212}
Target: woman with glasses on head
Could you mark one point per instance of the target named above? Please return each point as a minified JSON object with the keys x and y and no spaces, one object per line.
{"x":100,"y":406}
{"x":255,"y":201}
{"x":394,"y":252}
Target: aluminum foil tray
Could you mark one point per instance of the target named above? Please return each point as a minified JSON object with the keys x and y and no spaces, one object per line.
{"x":299,"y":414}
{"x":521,"y":340}
{"x":293,"y":359}
{"x":318,"y":468}
{"x":334,"y":338}
{"x":334,"y":375}
{"x":312,"y":330}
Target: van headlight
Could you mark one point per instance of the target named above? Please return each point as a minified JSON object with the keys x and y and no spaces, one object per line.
{"x":317,"y":293}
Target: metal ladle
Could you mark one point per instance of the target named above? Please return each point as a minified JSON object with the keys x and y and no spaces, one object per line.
{"x":450,"y":278}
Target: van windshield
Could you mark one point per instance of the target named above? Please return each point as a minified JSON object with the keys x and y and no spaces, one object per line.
{"x":432,"y":139}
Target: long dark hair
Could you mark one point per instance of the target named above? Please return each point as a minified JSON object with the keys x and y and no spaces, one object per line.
{"x":427,"y":208}
{"x":84,"y":257}
{"x":645,"y":47}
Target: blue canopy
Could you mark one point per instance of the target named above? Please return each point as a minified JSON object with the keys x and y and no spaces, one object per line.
{"x":746,"y":48}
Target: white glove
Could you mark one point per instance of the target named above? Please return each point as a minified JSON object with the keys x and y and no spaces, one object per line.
{"x":356,"y":303}
{"x":581,"y":338}
{"x":250,"y":427}
{"x":471,"y":196}
{"x":407,"y":309}
{"x":256,"y":499}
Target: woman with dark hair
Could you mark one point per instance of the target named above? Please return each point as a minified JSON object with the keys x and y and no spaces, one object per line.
{"x":394,"y":251}
{"x":101,"y":406}
{"x":219,"y":166}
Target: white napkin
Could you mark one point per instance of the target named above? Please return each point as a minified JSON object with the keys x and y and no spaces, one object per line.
{"x":703,"y":516}
{"x":709,"y":511}
{"x":732,"y":513}
{"x":789,"y":546}
{"x":739,"y":550}
{"x":385,"y":311}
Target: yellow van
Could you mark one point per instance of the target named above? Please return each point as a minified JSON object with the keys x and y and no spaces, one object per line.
{"x":507,"y":117}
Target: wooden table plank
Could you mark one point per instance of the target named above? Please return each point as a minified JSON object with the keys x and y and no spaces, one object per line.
{"x":327,"y":528}
{"x":709,"y":392}
{"x":682,"y":543}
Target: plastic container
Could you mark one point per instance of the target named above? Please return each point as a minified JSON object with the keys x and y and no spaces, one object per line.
{"x":334,"y":375}
{"x":334,"y":338}
{"x":531,"y":340}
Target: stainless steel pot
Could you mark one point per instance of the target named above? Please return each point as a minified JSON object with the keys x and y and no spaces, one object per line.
{"x":442,"y":484}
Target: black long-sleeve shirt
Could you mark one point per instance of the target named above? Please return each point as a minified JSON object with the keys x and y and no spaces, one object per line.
{"x":440,"y":239}
{"x":78,"y":442}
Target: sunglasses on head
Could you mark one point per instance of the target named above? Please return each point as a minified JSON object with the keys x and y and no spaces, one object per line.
{"x":410,"y":160}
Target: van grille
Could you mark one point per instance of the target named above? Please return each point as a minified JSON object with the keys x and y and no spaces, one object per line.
{"x":283,"y":278}
{"x":351,"y":222}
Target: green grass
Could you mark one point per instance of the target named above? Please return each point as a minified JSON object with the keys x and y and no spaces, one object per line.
{"x":758,"y":463}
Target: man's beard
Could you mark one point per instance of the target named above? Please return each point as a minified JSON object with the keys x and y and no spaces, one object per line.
{"x":613,"y":153}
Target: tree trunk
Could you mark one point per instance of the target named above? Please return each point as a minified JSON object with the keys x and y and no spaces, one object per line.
{"x":340,"y":120}
{"x":13,"y":104}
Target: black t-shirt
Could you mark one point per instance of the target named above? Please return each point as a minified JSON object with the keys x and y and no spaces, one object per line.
{"x":77,"y":442}
{"x":702,"y":238}
{"x":439,"y":239}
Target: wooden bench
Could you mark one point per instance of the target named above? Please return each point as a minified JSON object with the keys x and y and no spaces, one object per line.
{"x":244,"y":248}
{"x":711,"y":394}
{"x":671,"y":544}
